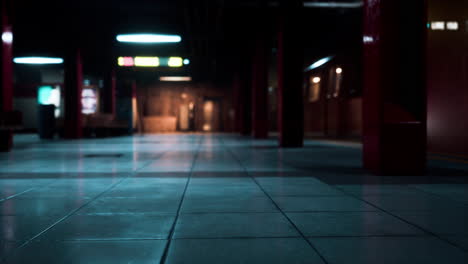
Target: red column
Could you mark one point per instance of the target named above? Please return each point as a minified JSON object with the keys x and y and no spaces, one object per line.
{"x":290,"y":75}
{"x":110,"y":92}
{"x":394,"y":99}
{"x":260,"y":88}
{"x":236,"y":87}
{"x":73,"y":88}
{"x":245,"y":102}
{"x":6,"y":72}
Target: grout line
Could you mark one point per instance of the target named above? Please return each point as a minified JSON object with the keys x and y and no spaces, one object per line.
{"x":79,"y":208}
{"x":275,"y":204}
{"x":176,"y":218}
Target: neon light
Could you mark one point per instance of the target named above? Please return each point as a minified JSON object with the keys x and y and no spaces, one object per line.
{"x":148,"y":38}
{"x":175,"y":62}
{"x":126,"y":61}
{"x":186,"y":62}
{"x":175,"y":79}
{"x":7,"y":37}
{"x":333,"y":5}
{"x":438,"y":25}
{"x":452,"y":25}
{"x":38,"y":60}
{"x":146,"y":61}
{"x":319,"y":63}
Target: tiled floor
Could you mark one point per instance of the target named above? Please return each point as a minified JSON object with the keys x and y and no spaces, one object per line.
{"x":222,"y":199}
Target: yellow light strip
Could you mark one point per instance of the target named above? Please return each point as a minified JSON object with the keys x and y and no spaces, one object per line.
{"x":147,"y":61}
{"x":175,"y":62}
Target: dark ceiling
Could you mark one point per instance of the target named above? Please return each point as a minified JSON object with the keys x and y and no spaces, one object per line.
{"x":216,"y":33}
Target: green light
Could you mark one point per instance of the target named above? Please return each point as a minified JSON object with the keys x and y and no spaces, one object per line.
{"x":44,"y":94}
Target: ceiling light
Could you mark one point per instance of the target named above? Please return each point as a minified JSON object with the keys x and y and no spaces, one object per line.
{"x":438,"y":25}
{"x":175,"y":62}
{"x":148,"y":38}
{"x":339,"y":70}
{"x":319,"y":63}
{"x":146,"y":61}
{"x":333,"y":4}
{"x":7,"y":37}
{"x":126,"y":61}
{"x":38,"y":60}
{"x":175,"y":78}
{"x":186,"y":62}
{"x":316,"y":80}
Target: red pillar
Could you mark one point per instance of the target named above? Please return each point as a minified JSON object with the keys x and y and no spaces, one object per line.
{"x":237,"y":102}
{"x":260,"y":88}
{"x":245,"y":102}
{"x":110,"y":92}
{"x":290,"y":75}
{"x":394,"y":99}
{"x":6,"y":72}
{"x":73,"y":88}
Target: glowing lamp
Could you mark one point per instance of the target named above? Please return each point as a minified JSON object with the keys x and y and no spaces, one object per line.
{"x":37,"y":60}
{"x":339,"y":70}
{"x":316,"y":80}
{"x":175,"y":62}
{"x":125,"y":61}
{"x":7,"y":37}
{"x":319,"y":63}
{"x":452,"y":25}
{"x":186,"y":62}
{"x":146,"y":61}
{"x":148,"y":38}
{"x":175,"y":78}
{"x":438,"y":25}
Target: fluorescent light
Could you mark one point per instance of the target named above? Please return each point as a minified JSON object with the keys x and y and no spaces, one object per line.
{"x":7,"y":37}
{"x":452,"y":25}
{"x":38,"y":60}
{"x":175,"y":79}
{"x":148,"y":38}
{"x":319,"y":63}
{"x":438,"y":25}
{"x":186,"y":62}
{"x":368,"y":39}
{"x":333,"y":4}
{"x":175,"y":62}
{"x":146,"y":61}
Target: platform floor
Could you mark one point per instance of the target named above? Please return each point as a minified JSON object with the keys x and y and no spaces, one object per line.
{"x":222,"y":199}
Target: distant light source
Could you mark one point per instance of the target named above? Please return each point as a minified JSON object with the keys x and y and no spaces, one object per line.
{"x":148,"y":38}
{"x":438,"y":25}
{"x":126,"y":61}
{"x":175,"y":62}
{"x":186,"y":62}
{"x":7,"y":37}
{"x":452,"y":25}
{"x":37,"y":60}
{"x":319,"y":63}
{"x":175,"y":78}
{"x":146,"y":61}
{"x":316,"y":80}
{"x":333,"y":4}
{"x":339,"y":70}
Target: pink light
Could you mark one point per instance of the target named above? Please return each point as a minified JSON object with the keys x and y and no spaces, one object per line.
{"x":128,"y":61}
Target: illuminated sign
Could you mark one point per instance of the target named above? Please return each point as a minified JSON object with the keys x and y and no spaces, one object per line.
{"x":48,"y":95}
{"x":442,"y":25}
{"x":89,"y":101}
{"x":175,"y":78}
{"x":148,"y":38}
{"x":146,"y":61}
{"x":140,"y":61}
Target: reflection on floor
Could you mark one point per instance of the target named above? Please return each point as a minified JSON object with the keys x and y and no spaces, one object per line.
{"x":222,"y":199}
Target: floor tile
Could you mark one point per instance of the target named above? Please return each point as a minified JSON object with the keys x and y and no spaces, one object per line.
{"x":87,"y":252}
{"x":452,"y":223}
{"x":321,"y":203}
{"x":377,"y":189}
{"x":388,"y":250}
{"x":111,"y":227}
{"x":233,"y":251}
{"x":41,"y":207}
{"x":118,"y":205}
{"x":297,"y":187}
{"x":21,"y":228}
{"x":351,"y":224}
{"x":233,"y":225}
{"x":227,"y":204}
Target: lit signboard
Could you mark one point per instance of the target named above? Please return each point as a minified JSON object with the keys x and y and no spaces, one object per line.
{"x":89,"y":101}
{"x":48,"y":95}
{"x":140,"y":61}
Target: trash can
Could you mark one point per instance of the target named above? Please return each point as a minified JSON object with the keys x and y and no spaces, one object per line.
{"x":46,"y":126}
